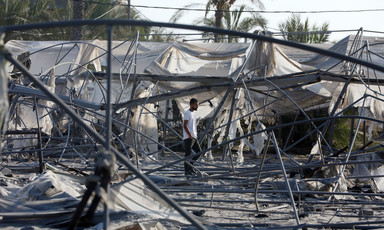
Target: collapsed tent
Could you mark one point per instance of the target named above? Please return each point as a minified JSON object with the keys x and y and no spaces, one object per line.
{"x":152,"y":73}
{"x":55,"y":195}
{"x":242,"y":89}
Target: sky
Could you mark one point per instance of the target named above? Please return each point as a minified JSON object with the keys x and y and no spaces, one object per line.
{"x":372,"y":20}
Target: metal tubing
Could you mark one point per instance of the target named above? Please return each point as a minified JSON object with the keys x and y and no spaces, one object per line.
{"x":101,"y":139}
{"x":67,"y":140}
{"x":229,"y":124}
{"x":251,"y":191}
{"x":108,"y":122}
{"x":274,"y":201}
{"x":230,"y":88}
{"x":165,"y":125}
{"x":39,"y":143}
{"x":217,"y":110}
{"x":108,"y":112}
{"x":291,"y":131}
{"x":274,"y":141}
{"x":257,"y":132}
{"x":325,"y":124}
{"x":50,"y":149}
{"x":351,"y":143}
{"x":303,"y":112}
{"x":138,"y":124}
{"x":261,"y":168}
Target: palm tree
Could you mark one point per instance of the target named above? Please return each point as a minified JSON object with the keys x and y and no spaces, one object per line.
{"x":78,"y":14}
{"x":14,"y":12}
{"x":23,"y":12}
{"x":294,"y":29}
{"x":233,"y":21}
{"x":221,"y":8}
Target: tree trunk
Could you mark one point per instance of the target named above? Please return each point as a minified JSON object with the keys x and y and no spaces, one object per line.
{"x":78,"y":14}
{"x":218,"y":21}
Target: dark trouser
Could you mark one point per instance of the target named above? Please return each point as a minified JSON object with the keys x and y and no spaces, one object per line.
{"x":188,"y":151}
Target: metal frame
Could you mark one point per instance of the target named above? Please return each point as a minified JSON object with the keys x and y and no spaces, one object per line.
{"x":239,"y":82}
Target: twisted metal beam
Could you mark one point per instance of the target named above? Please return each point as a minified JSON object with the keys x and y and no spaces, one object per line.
{"x":102,"y":140}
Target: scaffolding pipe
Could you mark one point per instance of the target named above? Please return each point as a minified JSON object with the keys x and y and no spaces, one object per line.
{"x":101,"y":139}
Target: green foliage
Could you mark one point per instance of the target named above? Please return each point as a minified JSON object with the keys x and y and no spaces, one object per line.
{"x":223,"y":18}
{"x":294,"y":29}
{"x":221,"y":7}
{"x":342,"y":132}
{"x":234,"y":21}
{"x":23,"y":12}
{"x":33,"y":11}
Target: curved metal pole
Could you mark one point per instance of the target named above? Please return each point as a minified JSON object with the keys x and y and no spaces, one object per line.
{"x":274,"y":141}
{"x":101,"y":139}
{"x":352,"y":142}
{"x":138,"y":122}
{"x":131,"y":62}
{"x":261,"y":168}
{"x":138,"y":133}
{"x":304,"y":113}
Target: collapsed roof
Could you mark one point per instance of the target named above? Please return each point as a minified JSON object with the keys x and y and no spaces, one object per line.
{"x":251,"y":82}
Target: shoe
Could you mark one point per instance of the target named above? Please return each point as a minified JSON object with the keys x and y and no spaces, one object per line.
{"x":191,"y":173}
{"x":188,"y":173}
{"x":201,"y":174}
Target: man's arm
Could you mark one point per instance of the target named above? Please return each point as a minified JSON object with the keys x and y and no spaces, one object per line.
{"x":185,"y":126}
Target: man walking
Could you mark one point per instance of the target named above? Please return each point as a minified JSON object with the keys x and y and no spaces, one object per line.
{"x":190,"y":137}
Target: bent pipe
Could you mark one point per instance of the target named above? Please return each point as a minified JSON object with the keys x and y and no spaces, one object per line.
{"x":261,"y":131}
{"x":100,"y":139}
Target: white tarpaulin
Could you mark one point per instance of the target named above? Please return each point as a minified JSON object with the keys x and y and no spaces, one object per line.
{"x":3,"y":91}
{"x":206,"y":60}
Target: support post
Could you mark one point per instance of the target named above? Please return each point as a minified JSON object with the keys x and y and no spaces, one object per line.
{"x":231,"y":87}
{"x":164,"y":126}
{"x":134,"y":85}
{"x":261,"y":168}
{"x":218,"y":108}
{"x":364,"y":132}
{"x":39,"y":141}
{"x":229,"y":124}
{"x":100,"y":139}
{"x":291,"y":131}
{"x":274,"y":141}
{"x":108,"y":112}
{"x":331,"y":133}
{"x":351,"y":143}
{"x":351,"y":132}
{"x":108,"y":117}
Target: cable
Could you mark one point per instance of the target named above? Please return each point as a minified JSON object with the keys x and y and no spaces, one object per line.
{"x":141,"y":13}
{"x":265,"y":11}
{"x":245,"y":11}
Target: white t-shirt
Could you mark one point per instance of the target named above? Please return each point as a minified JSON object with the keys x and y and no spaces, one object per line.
{"x":188,"y":116}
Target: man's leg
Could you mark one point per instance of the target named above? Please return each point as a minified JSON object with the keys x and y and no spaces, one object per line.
{"x":187,"y":145}
{"x":196,"y":148}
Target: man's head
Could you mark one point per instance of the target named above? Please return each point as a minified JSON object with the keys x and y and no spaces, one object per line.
{"x":193,"y":104}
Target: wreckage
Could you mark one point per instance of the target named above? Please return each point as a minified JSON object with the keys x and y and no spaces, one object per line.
{"x":91,"y":133}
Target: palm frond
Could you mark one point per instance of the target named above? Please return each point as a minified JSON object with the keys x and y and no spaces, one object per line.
{"x":180,"y":13}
